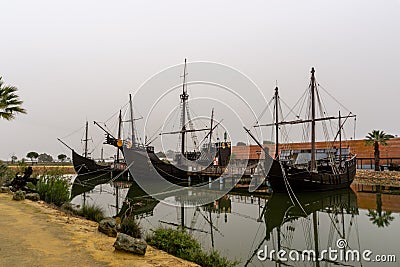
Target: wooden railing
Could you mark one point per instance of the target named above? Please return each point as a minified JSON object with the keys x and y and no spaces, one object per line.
{"x":369,"y":163}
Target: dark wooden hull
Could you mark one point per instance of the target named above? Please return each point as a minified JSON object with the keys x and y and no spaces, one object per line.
{"x":301,"y":180}
{"x":84,"y":165}
{"x":140,"y":166}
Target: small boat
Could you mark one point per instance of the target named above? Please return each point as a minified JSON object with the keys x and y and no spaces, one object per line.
{"x":82,"y":163}
{"x":310,"y":169}
{"x":85,"y":166}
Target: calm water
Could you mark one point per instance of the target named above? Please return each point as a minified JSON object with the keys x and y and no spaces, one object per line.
{"x":238,"y":226}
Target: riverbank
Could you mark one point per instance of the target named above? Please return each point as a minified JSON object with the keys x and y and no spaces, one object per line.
{"x":41,"y":169}
{"x":34,"y":234}
{"x":389,"y":178}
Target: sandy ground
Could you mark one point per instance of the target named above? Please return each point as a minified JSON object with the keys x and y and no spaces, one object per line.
{"x":32,"y":234}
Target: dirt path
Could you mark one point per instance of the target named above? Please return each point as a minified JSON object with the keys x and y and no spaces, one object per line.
{"x":32,"y":234}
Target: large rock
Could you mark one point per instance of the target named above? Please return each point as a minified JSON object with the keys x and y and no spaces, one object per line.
{"x":19,"y":195}
{"x":127,"y":243}
{"x":33,"y":196}
{"x":5,"y":189}
{"x":108,"y":226}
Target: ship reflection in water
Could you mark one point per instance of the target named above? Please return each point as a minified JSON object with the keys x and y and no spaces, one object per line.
{"x":240,"y":225}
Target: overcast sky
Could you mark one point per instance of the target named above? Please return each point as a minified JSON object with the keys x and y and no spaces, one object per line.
{"x":78,"y":60}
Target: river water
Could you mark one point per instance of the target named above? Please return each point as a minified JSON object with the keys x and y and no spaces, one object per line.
{"x":243,"y":227}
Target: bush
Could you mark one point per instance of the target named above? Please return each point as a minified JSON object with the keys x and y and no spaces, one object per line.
{"x":53,"y":189}
{"x":183,"y":245}
{"x":92,"y":212}
{"x":131,"y":227}
{"x":6,"y":174}
{"x":212,"y":259}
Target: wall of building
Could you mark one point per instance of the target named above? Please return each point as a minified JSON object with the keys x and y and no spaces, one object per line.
{"x":358,"y":147}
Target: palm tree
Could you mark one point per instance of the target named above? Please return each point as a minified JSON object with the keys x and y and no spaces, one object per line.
{"x":377,"y":217}
{"x":380,"y":220}
{"x":10,"y":104}
{"x":377,"y":138}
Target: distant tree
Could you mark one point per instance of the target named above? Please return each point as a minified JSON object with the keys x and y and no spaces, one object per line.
{"x":376,"y":138}
{"x":62,"y":157}
{"x":10,"y":104}
{"x":240,"y":144}
{"x":32,"y":155}
{"x":45,"y":158}
{"x":13,"y":159}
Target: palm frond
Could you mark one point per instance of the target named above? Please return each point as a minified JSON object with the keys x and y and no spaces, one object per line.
{"x":10,"y":104}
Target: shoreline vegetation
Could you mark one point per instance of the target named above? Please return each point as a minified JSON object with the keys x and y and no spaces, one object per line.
{"x":70,"y":240}
{"x":54,"y":192}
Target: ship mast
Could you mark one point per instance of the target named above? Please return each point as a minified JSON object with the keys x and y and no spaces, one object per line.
{"x":313,"y":163}
{"x":276,"y":123}
{"x":119,"y":133}
{"x":184,"y":97}
{"x":340,"y":141}
{"x":132,"y":126}
{"x":86,"y":139}
{"x":211,"y":127}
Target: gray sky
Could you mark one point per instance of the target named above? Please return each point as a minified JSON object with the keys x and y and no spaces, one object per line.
{"x":78,"y":60}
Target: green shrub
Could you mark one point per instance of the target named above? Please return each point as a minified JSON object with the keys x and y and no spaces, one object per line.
{"x":183,"y":245}
{"x":53,"y":189}
{"x":6,"y":174}
{"x":92,"y":212}
{"x":213,"y":259}
{"x":131,"y":227}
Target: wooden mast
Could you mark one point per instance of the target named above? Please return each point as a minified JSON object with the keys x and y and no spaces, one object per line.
{"x":132,"y":126}
{"x":86,"y":139}
{"x":340,"y":140}
{"x":184,"y":97}
{"x":211,"y":127}
{"x":119,"y":133}
{"x":316,"y":243}
{"x":313,"y":163}
{"x":276,"y":123}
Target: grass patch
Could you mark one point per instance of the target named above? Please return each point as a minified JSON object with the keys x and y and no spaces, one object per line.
{"x":183,"y":245}
{"x":131,"y":227}
{"x":89,"y":212}
{"x":92,"y":212}
{"x":53,"y":189}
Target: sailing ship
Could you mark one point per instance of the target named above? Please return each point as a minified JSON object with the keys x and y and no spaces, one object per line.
{"x":82,"y":163}
{"x":310,"y":169}
{"x":190,"y":167}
